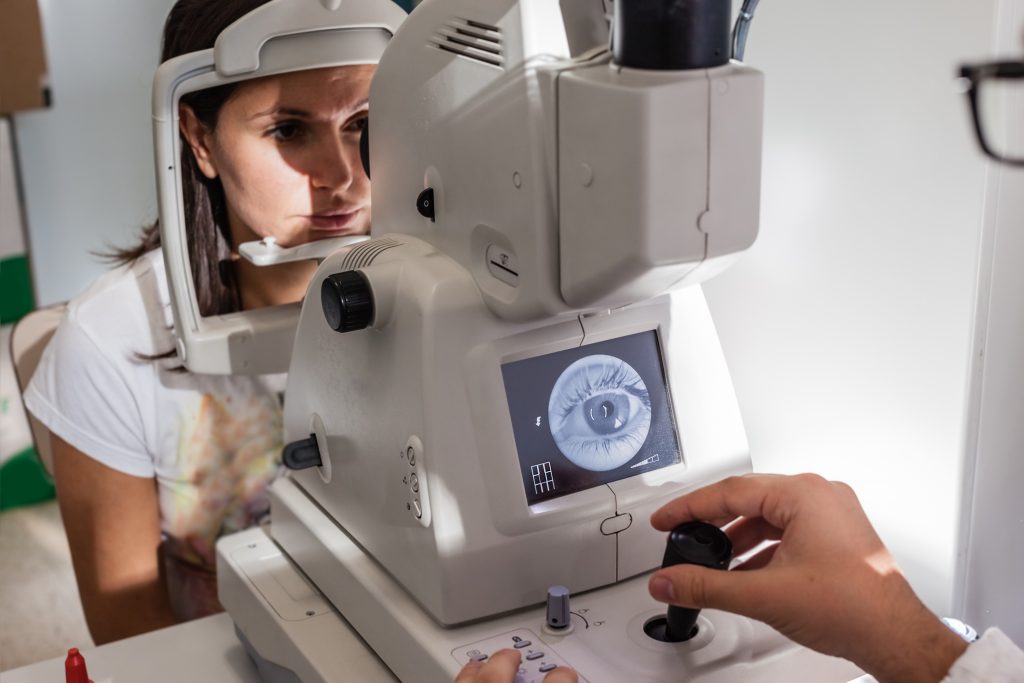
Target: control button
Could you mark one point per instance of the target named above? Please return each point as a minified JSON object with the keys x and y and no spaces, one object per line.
{"x":414,"y":483}
{"x":520,"y":644}
{"x":425,"y":204}
{"x":410,"y":453}
{"x":616,"y":524}
{"x":534,"y":655}
{"x":479,"y":657}
{"x":544,"y":668}
{"x":418,"y":512}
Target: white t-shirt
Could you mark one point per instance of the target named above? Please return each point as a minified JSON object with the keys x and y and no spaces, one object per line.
{"x":992,"y":659}
{"x":212,"y":443}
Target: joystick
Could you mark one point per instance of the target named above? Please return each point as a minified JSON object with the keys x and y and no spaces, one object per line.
{"x":697,"y":543}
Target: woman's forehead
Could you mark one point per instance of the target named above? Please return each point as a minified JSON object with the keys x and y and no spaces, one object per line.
{"x":320,"y":92}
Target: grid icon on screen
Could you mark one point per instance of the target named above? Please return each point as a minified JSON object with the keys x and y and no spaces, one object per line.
{"x":543,"y":478}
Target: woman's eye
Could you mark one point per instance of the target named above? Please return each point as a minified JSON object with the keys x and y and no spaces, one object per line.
{"x":285,"y":132}
{"x":358,"y":124}
{"x":599,"y":413}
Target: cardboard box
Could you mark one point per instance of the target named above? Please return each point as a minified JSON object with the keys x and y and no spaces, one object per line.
{"x":23,"y":71}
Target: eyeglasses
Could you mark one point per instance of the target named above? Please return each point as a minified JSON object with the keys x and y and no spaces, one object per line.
{"x":994,"y":89}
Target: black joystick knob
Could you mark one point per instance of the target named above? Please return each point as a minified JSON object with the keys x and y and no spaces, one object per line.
{"x":697,"y":543}
{"x":347,"y":300}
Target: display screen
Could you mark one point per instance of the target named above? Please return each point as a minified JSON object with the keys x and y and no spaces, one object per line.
{"x":590,"y":415}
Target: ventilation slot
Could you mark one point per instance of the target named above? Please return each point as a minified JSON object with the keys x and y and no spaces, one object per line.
{"x":364,"y":254}
{"x":471,"y":39}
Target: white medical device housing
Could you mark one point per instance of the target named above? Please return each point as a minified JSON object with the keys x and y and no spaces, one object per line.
{"x":568,"y":197}
{"x":279,"y":37}
{"x":540,"y":219}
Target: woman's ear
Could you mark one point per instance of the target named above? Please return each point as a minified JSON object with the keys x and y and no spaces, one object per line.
{"x":199,"y":138}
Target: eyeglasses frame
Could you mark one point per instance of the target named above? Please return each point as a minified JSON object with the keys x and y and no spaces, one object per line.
{"x":975,"y":75}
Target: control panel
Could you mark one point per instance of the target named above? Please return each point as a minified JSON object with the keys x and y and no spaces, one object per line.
{"x":415,"y":484}
{"x":538,"y":658}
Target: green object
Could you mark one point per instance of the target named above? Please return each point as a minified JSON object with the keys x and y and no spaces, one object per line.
{"x":23,"y":481}
{"x":16,"y":298}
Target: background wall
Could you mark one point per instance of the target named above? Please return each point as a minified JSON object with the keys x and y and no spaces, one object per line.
{"x":87,"y":162}
{"x":988,"y":586}
{"x":848,"y":326}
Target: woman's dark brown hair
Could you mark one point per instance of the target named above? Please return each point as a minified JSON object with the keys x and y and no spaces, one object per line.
{"x":194,"y":25}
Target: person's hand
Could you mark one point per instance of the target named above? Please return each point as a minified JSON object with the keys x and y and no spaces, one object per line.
{"x":501,"y":667}
{"x":827,"y":583}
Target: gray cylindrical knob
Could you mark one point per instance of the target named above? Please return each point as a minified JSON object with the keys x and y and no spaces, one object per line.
{"x":558,"y":607}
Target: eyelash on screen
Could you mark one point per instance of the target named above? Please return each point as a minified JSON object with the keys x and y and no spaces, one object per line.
{"x":611,"y":378}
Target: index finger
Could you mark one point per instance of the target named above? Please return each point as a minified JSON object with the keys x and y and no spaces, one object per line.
{"x":501,"y":667}
{"x":751,"y":495}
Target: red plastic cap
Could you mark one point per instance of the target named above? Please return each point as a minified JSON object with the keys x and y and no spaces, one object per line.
{"x":74,"y":667}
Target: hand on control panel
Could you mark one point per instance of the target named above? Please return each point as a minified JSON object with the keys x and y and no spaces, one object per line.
{"x":826,"y":581}
{"x":501,"y":667}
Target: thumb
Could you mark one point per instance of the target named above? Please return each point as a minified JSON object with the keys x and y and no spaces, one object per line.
{"x":562,"y":674}
{"x":689,"y":585}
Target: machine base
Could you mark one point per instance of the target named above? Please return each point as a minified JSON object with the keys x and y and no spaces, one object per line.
{"x":606,"y":645}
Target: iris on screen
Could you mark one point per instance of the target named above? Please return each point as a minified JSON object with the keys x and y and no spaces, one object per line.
{"x":599,"y":412}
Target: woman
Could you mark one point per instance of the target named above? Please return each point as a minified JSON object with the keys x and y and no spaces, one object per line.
{"x":152,"y":463}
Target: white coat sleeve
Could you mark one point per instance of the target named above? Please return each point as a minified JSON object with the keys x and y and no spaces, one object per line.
{"x":993,"y":658}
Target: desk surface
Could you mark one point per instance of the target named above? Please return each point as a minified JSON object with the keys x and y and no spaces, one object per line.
{"x":195,"y":652}
{"x":202,"y":650}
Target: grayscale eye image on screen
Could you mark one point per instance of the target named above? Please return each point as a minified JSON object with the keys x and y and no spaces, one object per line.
{"x":599,"y":412}
{"x":590,"y":415}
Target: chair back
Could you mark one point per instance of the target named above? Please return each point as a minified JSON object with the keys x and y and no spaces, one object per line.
{"x":29,"y":337}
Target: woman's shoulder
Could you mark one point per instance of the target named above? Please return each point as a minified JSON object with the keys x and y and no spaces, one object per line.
{"x":127,"y":306}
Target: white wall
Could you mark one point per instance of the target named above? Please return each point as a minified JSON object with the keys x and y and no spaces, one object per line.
{"x":12,"y":238}
{"x":991,"y":569}
{"x":848,"y":326}
{"x":87,"y":163}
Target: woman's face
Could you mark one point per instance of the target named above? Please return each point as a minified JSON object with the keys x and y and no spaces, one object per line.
{"x":286,"y":150}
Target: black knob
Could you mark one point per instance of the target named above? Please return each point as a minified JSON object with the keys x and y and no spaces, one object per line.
{"x":674,"y":36}
{"x":425,"y":204}
{"x":347,"y":300}
{"x":298,"y":455}
{"x":697,"y":543}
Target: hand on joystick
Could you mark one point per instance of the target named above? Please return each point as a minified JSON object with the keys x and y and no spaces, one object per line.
{"x":824,"y":579}
{"x":696,"y":543}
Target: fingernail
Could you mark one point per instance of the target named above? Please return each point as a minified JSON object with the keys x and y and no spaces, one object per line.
{"x":662,"y":589}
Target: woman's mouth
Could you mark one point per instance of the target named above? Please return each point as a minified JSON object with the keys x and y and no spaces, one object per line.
{"x":335,"y":221}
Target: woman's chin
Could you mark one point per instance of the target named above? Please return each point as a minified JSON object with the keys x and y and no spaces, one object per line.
{"x":322,"y":234}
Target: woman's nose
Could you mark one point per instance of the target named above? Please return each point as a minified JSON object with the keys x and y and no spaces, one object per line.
{"x":332,"y":167}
